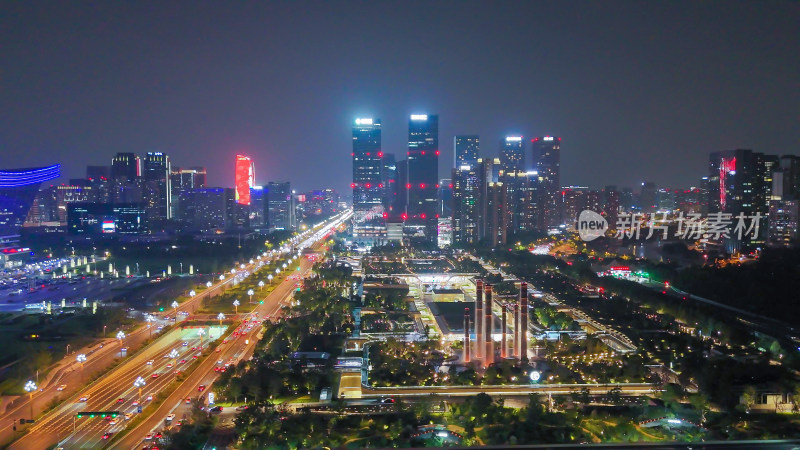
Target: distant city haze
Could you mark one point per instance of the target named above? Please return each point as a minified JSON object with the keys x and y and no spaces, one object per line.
{"x":637,"y":90}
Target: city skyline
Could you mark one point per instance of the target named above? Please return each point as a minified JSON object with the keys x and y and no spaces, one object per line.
{"x":635,"y":107}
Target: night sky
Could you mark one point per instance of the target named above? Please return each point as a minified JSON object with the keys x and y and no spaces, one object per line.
{"x":637,"y":90}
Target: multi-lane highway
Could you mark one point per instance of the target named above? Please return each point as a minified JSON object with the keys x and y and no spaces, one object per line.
{"x":115,"y":392}
{"x":236,"y":348}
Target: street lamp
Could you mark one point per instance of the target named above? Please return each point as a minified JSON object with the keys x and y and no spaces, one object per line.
{"x":221,"y":317}
{"x":120,"y":336}
{"x":81,"y":359}
{"x":236,"y":305}
{"x":149,"y":318}
{"x":250,"y":293}
{"x":221,"y":277}
{"x":30,"y":388}
{"x":209,"y":284}
{"x":139,"y":383}
{"x":174,"y":355}
{"x":269,"y":278}
{"x":261,"y":285}
{"x":201,"y":332}
{"x":192,"y":293}
{"x":233,"y":271}
{"x":278,"y":270}
{"x":175,"y":308}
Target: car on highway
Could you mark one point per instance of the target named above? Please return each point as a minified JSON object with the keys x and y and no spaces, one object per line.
{"x":183,"y":361}
{"x":128,"y":416}
{"x":135,"y":403}
{"x":178,"y":423}
{"x":158,"y":435}
{"x":107,"y":436}
{"x":123,"y":349}
{"x":169,"y":366}
{"x":120,"y":400}
{"x":113,"y":421}
{"x":83,"y":399}
{"x":62,"y":387}
{"x":219,"y":361}
{"x":150,"y":362}
{"x":201,"y":388}
{"x":188,"y":400}
{"x":215,"y":410}
{"x":155,"y":375}
{"x":149,"y":398}
{"x":170,"y":417}
{"x":148,"y":437}
{"x":194,"y":356}
{"x":185,"y":344}
{"x":241,"y":408}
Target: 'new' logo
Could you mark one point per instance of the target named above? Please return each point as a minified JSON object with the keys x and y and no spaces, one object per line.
{"x":591,"y":225}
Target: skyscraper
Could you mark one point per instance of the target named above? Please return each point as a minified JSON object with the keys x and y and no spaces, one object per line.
{"x":280,"y":206}
{"x":368,"y":186}
{"x":648,"y":198}
{"x":512,"y":154}
{"x":736,"y":184}
{"x":125,"y":179}
{"x":547,"y":154}
{"x":157,"y":187}
{"x":244,"y":179}
{"x":125,"y":166}
{"x":466,"y":149}
{"x":465,"y":205}
{"x":423,"y":174}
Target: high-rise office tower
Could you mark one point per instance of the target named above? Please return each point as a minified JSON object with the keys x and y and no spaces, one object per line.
{"x":423,"y":175}
{"x":280,"y":206}
{"x":182,"y":179}
{"x":512,"y":154}
{"x":488,"y":173}
{"x":611,"y":205}
{"x":445,"y":197}
{"x":547,"y":154}
{"x":465,"y":205}
{"x":522,"y":195}
{"x":125,"y":166}
{"x":244,"y":179}
{"x":368,"y":186}
{"x":648,"y":198}
{"x":466,"y":149}
{"x":390,"y":184}
{"x":496,"y":213}
{"x":790,"y":167}
{"x":157,"y":190}
{"x":736,"y":184}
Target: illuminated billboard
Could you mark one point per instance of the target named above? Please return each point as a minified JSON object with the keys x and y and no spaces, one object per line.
{"x":108,"y":226}
{"x":244,"y":179}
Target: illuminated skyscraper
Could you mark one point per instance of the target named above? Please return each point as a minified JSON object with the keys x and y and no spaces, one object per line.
{"x":125,"y":166}
{"x":280,"y":206}
{"x":547,"y":154}
{"x":465,"y":205}
{"x":512,"y":154}
{"x":244,"y":179}
{"x":466,"y":150}
{"x":423,"y":174}
{"x":157,"y":187}
{"x":368,"y":187}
